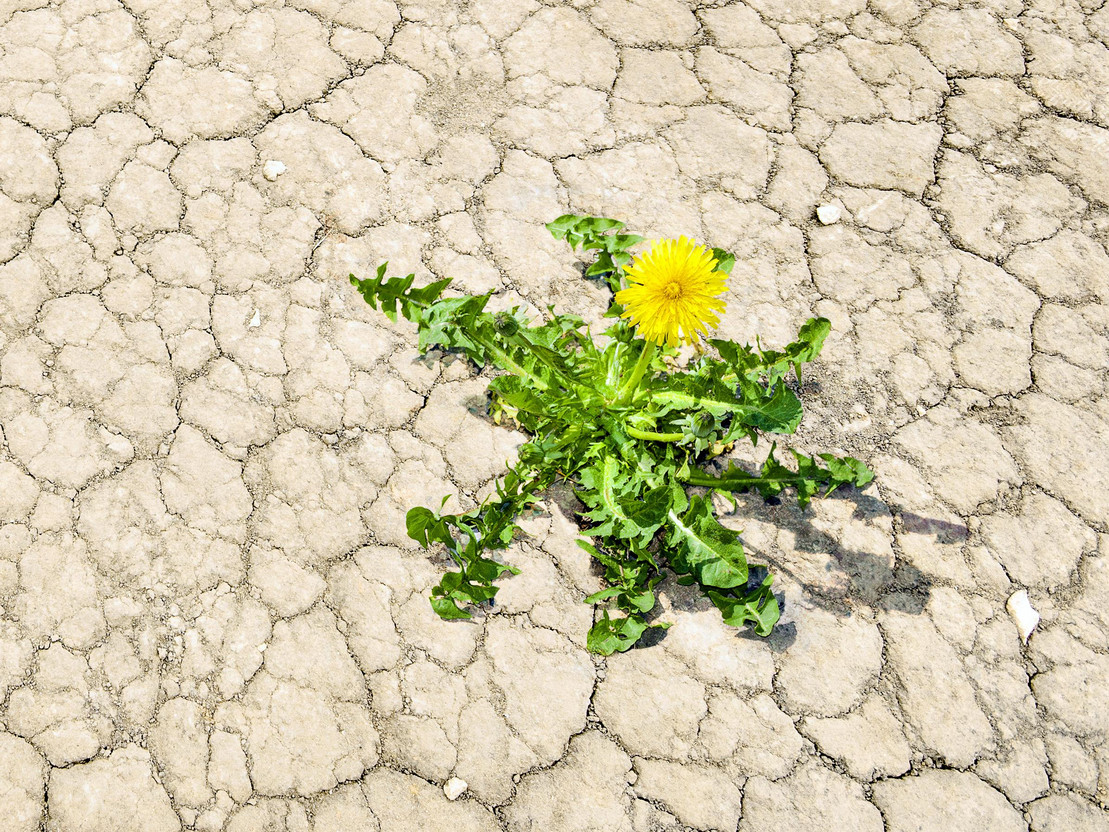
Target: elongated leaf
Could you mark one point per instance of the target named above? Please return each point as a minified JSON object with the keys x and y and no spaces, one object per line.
{"x":772,"y":365}
{"x":602,"y":478}
{"x":603,"y":595}
{"x":700,"y":546}
{"x":780,"y":412}
{"x":775,"y":477}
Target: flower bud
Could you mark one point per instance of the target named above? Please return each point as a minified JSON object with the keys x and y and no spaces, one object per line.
{"x":703,"y":424}
{"x":506,"y":324}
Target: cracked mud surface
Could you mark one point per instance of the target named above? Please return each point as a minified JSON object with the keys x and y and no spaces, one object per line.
{"x":210,"y":615}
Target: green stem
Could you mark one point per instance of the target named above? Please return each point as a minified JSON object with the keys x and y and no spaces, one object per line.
{"x":628,"y":388}
{"x":704,"y":479}
{"x":636,"y":433}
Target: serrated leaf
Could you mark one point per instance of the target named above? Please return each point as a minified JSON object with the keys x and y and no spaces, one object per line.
{"x":611,"y":635}
{"x":756,"y":606}
{"x":778,"y":412}
{"x":700,"y":546}
{"x":848,"y":470}
{"x":649,"y":510}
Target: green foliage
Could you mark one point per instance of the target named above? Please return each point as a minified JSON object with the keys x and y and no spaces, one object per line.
{"x":592,"y":233}
{"x":630,"y":450}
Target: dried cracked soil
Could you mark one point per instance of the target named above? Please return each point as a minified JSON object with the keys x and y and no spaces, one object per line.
{"x":210,"y":616}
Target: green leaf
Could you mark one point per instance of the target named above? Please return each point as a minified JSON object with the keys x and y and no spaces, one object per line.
{"x":611,"y":635}
{"x":724,"y":260}
{"x":642,"y":601}
{"x":561,"y":225}
{"x":602,"y":479}
{"x":848,"y":470}
{"x":601,"y":557}
{"x":603,"y":265}
{"x":425,"y":526}
{"x":398,"y":291}
{"x":781,"y":412}
{"x":700,"y":546}
{"x":648,"y":511}
{"x":603,"y":595}
{"x":485,"y":570}
{"x":774,"y":477}
{"x":771,"y":365}
{"x":777,"y":412}
{"x":447,"y":609}
{"x":756,"y":606}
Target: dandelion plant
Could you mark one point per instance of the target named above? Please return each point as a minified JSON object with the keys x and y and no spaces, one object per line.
{"x":634,"y":436}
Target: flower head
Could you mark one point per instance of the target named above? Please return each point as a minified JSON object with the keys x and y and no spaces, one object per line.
{"x":673,"y":292}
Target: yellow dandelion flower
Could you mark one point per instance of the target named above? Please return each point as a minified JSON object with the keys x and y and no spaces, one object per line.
{"x":674,"y":291}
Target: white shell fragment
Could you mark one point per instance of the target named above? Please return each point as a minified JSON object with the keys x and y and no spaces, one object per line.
{"x":256,"y":320}
{"x":829,"y":214}
{"x":1020,"y":608}
{"x":454,"y":788}
{"x":273,"y":169}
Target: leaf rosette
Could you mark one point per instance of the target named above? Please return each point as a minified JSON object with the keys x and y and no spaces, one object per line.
{"x":629,"y":432}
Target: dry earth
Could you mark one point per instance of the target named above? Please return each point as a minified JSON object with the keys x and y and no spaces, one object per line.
{"x":211,"y":618}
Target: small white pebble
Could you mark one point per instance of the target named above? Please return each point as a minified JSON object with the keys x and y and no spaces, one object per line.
{"x":1020,"y":608}
{"x":257,"y":319}
{"x":273,"y":169}
{"x":454,"y":788}
{"x":829,"y":214}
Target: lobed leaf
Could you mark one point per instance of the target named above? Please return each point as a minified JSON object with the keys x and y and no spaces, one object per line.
{"x":629,"y":457}
{"x":704,"y":549}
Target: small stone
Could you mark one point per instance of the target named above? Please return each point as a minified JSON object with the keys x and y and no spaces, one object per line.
{"x":829,"y":214}
{"x":273,"y":169}
{"x":1020,"y":608}
{"x":454,"y":788}
{"x":256,"y":320}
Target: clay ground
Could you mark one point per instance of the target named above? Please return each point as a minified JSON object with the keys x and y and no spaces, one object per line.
{"x":210,"y":616}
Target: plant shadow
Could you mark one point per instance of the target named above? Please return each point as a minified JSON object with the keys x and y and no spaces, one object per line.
{"x":837,"y":554}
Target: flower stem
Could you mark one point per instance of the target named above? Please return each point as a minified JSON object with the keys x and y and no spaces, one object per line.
{"x":629,"y":387}
{"x":650,"y":435}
